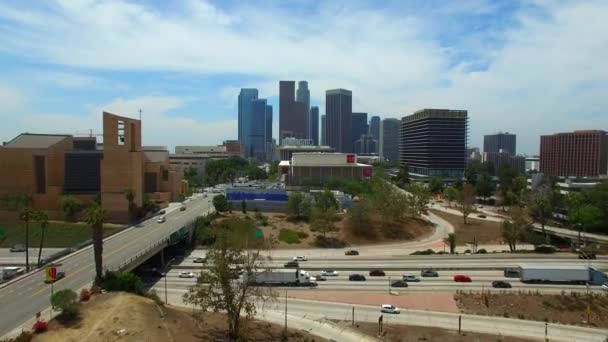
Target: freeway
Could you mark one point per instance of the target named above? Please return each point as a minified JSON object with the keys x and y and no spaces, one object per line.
{"x":21,"y":299}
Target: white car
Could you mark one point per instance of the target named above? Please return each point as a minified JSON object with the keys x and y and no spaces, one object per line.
{"x":604,"y":287}
{"x":410,"y":277}
{"x":329,"y":273}
{"x":186,"y":275}
{"x":300,"y":258}
{"x":387,"y":308}
{"x":161,"y":219}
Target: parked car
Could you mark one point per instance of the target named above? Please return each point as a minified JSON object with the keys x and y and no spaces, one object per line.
{"x":387,"y":308}
{"x":59,"y":275}
{"x":377,"y":273}
{"x":18,"y":248}
{"x":461,"y":278}
{"x":291,"y":264}
{"x":351,"y":252}
{"x":200,"y":260}
{"x":161,"y":219}
{"x":500,"y":284}
{"x":429,"y":272}
{"x":356,"y":277}
{"x":583,"y":255}
{"x":319,"y":277}
{"x":182,"y":208}
{"x":481,"y":216}
{"x":186,"y":274}
{"x":329,"y":273}
{"x":162,"y":212}
{"x":399,"y":283}
{"x":410,"y":278}
{"x":300,"y":258}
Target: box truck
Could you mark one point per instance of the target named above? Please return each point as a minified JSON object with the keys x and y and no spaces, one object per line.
{"x":561,"y":274}
{"x":279,"y":277}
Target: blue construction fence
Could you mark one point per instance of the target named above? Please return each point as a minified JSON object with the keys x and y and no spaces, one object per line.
{"x":275,"y":195}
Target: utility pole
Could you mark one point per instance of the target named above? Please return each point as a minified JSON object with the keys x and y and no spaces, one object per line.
{"x":389,"y":285}
{"x":140,"y":111}
{"x":353,"y":317}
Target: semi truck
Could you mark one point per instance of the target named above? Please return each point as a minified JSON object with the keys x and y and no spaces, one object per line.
{"x":575,"y":274}
{"x":279,"y":277}
{"x":7,"y":273}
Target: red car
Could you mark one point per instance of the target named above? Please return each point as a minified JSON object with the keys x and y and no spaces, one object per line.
{"x":461,"y":278}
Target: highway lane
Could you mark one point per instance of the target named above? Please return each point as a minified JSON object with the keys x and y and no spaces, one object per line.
{"x":19,"y":301}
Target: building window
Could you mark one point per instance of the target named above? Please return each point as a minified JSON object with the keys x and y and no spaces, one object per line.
{"x":165,"y":175}
{"x":40,"y":174}
{"x":121,"y":132}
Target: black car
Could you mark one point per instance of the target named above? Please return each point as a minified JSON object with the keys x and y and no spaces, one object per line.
{"x":399,"y":283}
{"x":583,"y":255}
{"x":182,"y":208}
{"x":162,"y":212}
{"x":501,"y":284}
{"x":356,"y":277}
{"x":351,"y":252}
{"x":429,"y":272}
{"x":319,"y":277}
{"x":377,"y":273}
{"x":59,"y":275}
{"x":291,"y":264}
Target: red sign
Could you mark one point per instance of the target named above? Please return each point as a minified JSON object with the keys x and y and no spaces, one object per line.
{"x":350,"y":158}
{"x":367,"y":172}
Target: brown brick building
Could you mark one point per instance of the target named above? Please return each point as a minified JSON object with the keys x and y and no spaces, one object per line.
{"x":574,"y":154}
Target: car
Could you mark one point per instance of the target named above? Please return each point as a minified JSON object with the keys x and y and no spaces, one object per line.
{"x":500,"y":284}
{"x":377,"y":273}
{"x":319,"y":277}
{"x":429,"y":272}
{"x":300,"y":258}
{"x":604,"y":287}
{"x":356,"y":277}
{"x":351,"y":252}
{"x":162,"y":212}
{"x":425,"y":212}
{"x":583,"y":255}
{"x":291,"y":264}
{"x":186,"y":274}
{"x":481,"y":216}
{"x":182,"y":208}
{"x":17,"y":248}
{"x":200,"y":260}
{"x":399,"y":283}
{"x":329,"y":273}
{"x":161,"y":219}
{"x":58,"y":275}
{"x":387,"y":308}
{"x":410,"y":278}
{"x":461,"y":278}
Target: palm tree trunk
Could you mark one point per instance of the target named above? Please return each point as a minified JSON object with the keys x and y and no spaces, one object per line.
{"x":98,"y":250}
{"x":27,"y":245}
{"x":42,"y":228}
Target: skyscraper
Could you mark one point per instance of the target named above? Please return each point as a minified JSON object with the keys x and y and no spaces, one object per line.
{"x":494,"y":143}
{"x":244,"y":110}
{"x":574,"y":154}
{"x":358,"y":127}
{"x":268,"y":132}
{"x":292,"y":115}
{"x":323,"y":130}
{"x":314,"y":124}
{"x":389,"y":139}
{"x":338,"y":109}
{"x":374,"y":129}
{"x":433,"y":142}
{"x":255,"y":134}
{"x":303,"y":96}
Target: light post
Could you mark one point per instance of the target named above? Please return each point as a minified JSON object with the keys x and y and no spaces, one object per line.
{"x":389,"y":284}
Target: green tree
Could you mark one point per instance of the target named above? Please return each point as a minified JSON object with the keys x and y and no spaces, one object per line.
{"x":506,"y":177}
{"x":298,"y":206}
{"x":70,"y":205}
{"x":436,"y":185}
{"x":325,"y":200}
{"x":514,"y":231}
{"x":451,"y":194}
{"x":466,"y":200}
{"x":451,"y":242}
{"x":95,"y":216}
{"x":130,"y":196}
{"x":485,"y":186}
{"x":403,"y":176}
{"x":22,"y":204}
{"x":43,"y":220}
{"x":220,"y":203}
{"x":323,"y":220}
{"x":66,"y":301}
{"x":359,"y":219}
{"x":584,"y":216}
{"x":540,"y":209}
{"x":420,"y":197}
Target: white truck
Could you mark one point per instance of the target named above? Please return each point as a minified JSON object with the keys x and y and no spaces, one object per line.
{"x":7,"y":273}
{"x":576,"y":274}
{"x":281,"y":277}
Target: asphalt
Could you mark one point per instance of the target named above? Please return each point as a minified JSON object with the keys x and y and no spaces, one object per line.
{"x":8,"y":258}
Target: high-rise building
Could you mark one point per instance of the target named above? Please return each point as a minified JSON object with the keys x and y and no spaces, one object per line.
{"x":498,"y":160}
{"x":433,"y":142}
{"x":574,"y":154}
{"x":500,"y":142}
{"x":338,"y":111}
{"x":358,"y":126}
{"x":255,"y":133}
{"x":323,"y":130}
{"x":374,"y":130}
{"x":366,"y":144}
{"x":244,"y":108}
{"x":303,"y":96}
{"x":314,"y":124}
{"x":292,"y":114}
{"x":389,"y":139}
{"x":268,"y":132}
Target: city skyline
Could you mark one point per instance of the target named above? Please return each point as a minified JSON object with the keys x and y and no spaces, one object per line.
{"x":502,"y":62}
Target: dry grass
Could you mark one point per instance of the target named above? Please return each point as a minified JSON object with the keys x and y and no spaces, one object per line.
{"x":382,"y":231}
{"x":484,"y":231}
{"x":567,"y":308}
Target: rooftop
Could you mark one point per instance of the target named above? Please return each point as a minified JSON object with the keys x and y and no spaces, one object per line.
{"x":30,"y":140}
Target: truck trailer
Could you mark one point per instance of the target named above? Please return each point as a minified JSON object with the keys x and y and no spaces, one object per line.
{"x":281,"y":277}
{"x":574,"y":274}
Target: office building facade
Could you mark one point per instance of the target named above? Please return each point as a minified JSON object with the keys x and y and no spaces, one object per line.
{"x":498,"y":160}
{"x":303,"y":96}
{"x":293,"y":115}
{"x":358,"y":127}
{"x":366,"y":145}
{"x":500,"y":142}
{"x":323,"y":130}
{"x":314,"y":124}
{"x":246,"y":95}
{"x":433,"y":142}
{"x":574,"y":154}
{"x":388,"y":142}
{"x":338,"y":111}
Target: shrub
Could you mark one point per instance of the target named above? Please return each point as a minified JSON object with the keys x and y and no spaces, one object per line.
{"x":95,"y":290}
{"x":329,"y":242}
{"x":85,"y":295}
{"x":25,"y":336}
{"x":424,"y":252}
{"x":482,"y":251}
{"x":40,"y":327}
{"x":467,"y":251}
{"x":65,"y":300}
{"x":122,"y":281}
{"x":289,"y":236}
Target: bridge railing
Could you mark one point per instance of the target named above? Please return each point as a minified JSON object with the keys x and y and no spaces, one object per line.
{"x":135,"y":257}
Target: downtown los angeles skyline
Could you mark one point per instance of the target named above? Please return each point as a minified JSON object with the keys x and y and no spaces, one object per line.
{"x":526,"y":67}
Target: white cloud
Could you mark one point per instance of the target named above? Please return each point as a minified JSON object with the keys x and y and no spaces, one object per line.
{"x":11,"y":100}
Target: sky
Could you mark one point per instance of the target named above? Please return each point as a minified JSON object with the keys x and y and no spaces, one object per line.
{"x":527,"y":67}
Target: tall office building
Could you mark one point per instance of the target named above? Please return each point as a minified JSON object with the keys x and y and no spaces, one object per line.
{"x":389,"y":139}
{"x":303,"y":96}
{"x":500,"y":142}
{"x":358,"y":126}
{"x":314,"y":124}
{"x":323,"y":130}
{"x":255,"y":134}
{"x":338,"y":111}
{"x":374,"y":130}
{"x":292,"y":114}
{"x":268,"y":132}
{"x":574,"y":154}
{"x":433,"y":142}
{"x":244,"y":110}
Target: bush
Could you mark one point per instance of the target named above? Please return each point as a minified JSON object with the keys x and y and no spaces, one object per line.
{"x":329,"y":242}
{"x":482,"y":251}
{"x":289,"y":236}
{"x":25,"y":336}
{"x":424,"y":252}
{"x":40,"y":327}
{"x":545,"y":249}
{"x":122,"y":281}
{"x":85,"y":295}
{"x":65,"y":300}
{"x":467,"y":251}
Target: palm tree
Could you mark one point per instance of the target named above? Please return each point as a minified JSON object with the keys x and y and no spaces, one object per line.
{"x":43,"y":219}
{"x":95,"y":216}
{"x":451,"y":241}
{"x":130,"y":196}
{"x":26,"y":216}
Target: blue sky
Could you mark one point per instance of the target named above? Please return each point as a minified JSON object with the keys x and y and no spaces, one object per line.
{"x":528,"y":67}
